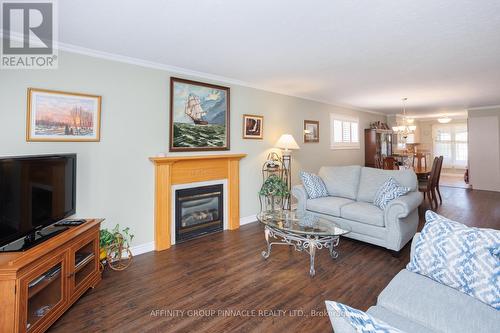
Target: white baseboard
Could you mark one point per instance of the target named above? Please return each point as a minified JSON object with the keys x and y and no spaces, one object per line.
{"x":248,"y":219}
{"x":148,"y":247}
{"x":142,"y":248}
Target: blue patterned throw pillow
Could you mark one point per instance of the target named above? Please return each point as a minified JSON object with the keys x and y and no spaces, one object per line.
{"x":461,"y":257}
{"x":314,"y":185}
{"x":361,"y":321}
{"x":388,"y":192}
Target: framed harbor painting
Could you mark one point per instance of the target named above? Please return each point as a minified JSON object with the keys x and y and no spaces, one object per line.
{"x":62,"y":116}
{"x":253,"y":126}
{"x":199,"y":116}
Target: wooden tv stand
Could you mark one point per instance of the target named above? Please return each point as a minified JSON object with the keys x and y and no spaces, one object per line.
{"x":38,"y":285}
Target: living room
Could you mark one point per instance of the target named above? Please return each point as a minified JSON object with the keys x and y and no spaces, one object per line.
{"x":225,"y":95}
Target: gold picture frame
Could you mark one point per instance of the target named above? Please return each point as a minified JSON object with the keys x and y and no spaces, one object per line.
{"x":253,"y":127}
{"x":59,"y":116}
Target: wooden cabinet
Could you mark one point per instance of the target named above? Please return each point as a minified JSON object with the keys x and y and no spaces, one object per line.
{"x":379,"y":142}
{"x":38,"y":285}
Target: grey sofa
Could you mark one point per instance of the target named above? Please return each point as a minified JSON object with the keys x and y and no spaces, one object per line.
{"x":415,"y":303}
{"x":352,"y":190}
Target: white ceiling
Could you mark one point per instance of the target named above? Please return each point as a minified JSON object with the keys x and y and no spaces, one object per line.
{"x":444,"y":55}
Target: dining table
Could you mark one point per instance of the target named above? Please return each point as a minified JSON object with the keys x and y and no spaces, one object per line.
{"x":422,"y":172}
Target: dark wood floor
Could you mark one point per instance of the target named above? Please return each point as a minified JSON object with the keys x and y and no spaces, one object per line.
{"x":225,"y":272}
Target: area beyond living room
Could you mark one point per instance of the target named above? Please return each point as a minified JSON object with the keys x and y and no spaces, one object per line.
{"x":264,"y":166}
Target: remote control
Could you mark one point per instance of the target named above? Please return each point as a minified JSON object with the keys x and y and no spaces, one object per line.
{"x":70,"y":222}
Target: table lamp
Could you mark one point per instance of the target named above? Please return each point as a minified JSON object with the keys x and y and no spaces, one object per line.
{"x":287,"y":143}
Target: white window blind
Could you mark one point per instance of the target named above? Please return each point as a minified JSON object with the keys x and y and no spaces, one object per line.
{"x":344,"y":132}
{"x":450,"y":141}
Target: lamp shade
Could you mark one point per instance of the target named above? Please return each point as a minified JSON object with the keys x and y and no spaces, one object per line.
{"x":287,"y":142}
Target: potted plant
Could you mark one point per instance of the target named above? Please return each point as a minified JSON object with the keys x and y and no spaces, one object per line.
{"x":274,"y":189}
{"x":114,"y":247}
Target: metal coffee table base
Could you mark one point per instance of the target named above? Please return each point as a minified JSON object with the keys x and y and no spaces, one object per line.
{"x":307,"y":243}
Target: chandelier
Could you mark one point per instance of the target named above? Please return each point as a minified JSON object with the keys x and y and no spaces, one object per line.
{"x":406,"y":128}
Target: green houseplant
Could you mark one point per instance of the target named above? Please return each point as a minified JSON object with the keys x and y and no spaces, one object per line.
{"x":113,"y":243}
{"x":274,"y":189}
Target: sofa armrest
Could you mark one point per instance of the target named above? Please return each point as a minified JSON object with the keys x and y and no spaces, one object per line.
{"x":299,"y":192}
{"x":401,"y":207}
{"x":401,"y":220}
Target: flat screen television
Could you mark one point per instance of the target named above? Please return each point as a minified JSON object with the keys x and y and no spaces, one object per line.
{"x":35,"y":192}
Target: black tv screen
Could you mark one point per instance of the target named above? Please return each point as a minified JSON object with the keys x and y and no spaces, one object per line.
{"x":35,"y":191}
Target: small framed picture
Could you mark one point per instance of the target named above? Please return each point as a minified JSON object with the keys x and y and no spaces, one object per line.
{"x":62,"y":116}
{"x":311,"y":131}
{"x":253,"y":126}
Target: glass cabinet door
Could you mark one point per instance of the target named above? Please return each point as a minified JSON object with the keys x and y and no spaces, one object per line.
{"x":45,"y":292}
{"x":85,"y":262}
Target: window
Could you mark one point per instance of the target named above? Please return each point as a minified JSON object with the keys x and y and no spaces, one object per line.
{"x":450,"y":140}
{"x":344,"y":132}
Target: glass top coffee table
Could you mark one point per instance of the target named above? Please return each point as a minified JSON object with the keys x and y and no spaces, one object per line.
{"x":304,"y":231}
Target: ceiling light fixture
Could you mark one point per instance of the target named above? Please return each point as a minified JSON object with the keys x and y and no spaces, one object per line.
{"x":406,"y":128}
{"x":444,"y":120}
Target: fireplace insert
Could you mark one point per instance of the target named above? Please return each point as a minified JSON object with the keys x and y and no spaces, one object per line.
{"x":198,"y":211}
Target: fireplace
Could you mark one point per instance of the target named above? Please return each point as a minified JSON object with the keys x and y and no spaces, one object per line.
{"x":198,"y":211}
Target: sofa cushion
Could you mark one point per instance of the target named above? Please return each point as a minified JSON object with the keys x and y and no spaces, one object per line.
{"x":402,"y":323}
{"x":461,"y":257}
{"x":372,"y":179}
{"x":359,"y":320}
{"x":436,"y":306}
{"x":363,"y":212}
{"x":327,"y":205}
{"x":389,"y":191}
{"x":313,"y":184}
{"x":341,"y":181}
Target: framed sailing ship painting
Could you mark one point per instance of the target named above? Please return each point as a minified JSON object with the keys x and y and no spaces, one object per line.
{"x":199,"y":116}
{"x":62,"y":116}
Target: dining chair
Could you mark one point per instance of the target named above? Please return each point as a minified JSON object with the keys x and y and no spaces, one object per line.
{"x":440,"y":166}
{"x":390,"y":163}
{"x":378,"y":161}
{"x":419,"y":157}
{"x":427,"y":186}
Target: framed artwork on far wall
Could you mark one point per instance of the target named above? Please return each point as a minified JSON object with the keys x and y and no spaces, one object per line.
{"x":62,"y":116}
{"x":199,"y":116}
{"x":311,"y":131}
{"x":253,"y":126}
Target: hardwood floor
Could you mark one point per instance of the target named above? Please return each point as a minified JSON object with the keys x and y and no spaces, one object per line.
{"x":167,"y":291}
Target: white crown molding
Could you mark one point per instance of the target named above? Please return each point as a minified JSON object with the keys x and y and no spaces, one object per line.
{"x":456,"y":114}
{"x":184,"y":71}
{"x":484,"y":107}
{"x":188,"y":72}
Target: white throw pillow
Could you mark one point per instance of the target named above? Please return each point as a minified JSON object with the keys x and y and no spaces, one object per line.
{"x":359,"y":320}
{"x":314,"y":185}
{"x":461,"y":257}
{"x":388,"y":192}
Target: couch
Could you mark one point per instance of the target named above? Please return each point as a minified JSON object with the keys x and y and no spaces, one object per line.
{"x":414,"y":303}
{"x":351,"y":192}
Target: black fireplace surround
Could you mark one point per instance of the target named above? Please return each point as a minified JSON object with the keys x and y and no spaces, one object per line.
{"x":198,"y":211}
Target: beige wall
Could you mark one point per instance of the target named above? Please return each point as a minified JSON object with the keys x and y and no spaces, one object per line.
{"x":115,"y":178}
{"x":484,"y":149}
{"x":424,"y":129}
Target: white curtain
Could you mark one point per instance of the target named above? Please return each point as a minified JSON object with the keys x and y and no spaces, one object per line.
{"x":450,"y":140}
